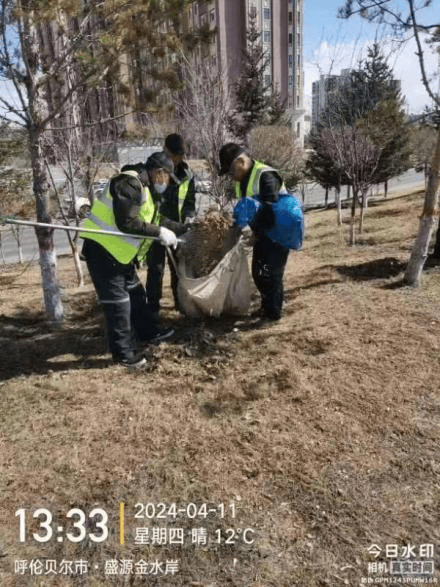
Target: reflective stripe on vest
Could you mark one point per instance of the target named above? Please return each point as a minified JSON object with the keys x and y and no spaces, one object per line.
{"x":122,"y":248}
{"x":148,"y":213}
{"x":181,"y":195}
{"x":253,"y":185}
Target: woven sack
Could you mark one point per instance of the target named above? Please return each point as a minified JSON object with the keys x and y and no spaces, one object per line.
{"x":225,"y":290}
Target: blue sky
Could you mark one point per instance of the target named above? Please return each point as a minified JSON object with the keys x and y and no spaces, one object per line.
{"x":321,"y":24}
{"x":332,"y":44}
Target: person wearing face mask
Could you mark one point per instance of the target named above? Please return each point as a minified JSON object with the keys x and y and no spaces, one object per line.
{"x":162,"y":184}
{"x":126,"y":207}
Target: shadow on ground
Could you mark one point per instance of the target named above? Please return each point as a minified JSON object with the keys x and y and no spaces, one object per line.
{"x":378,"y":269}
{"x":31,"y":345}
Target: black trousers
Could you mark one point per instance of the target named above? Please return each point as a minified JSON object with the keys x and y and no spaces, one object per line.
{"x":156,"y":259}
{"x":122,"y":298}
{"x":268,"y":264}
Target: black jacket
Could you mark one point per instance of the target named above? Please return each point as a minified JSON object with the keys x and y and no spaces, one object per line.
{"x":127,"y":195}
{"x":270,"y":185}
{"x":170,"y":203}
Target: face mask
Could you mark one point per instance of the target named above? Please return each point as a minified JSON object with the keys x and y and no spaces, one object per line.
{"x":159,"y":188}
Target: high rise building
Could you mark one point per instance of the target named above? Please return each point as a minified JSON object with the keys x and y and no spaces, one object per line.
{"x":322,"y":89}
{"x":280,"y":24}
{"x":327,"y":86}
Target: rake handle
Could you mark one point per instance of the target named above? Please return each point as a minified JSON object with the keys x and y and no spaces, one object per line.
{"x":78,"y":229}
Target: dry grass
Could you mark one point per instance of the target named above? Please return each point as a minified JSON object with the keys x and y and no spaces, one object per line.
{"x":322,"y":429}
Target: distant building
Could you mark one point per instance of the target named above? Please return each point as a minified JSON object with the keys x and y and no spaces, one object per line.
{"x":327,"y":86}
{"x":322,"y":89}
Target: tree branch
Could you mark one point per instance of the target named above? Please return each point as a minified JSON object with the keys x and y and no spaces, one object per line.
{"x":435,"y":98}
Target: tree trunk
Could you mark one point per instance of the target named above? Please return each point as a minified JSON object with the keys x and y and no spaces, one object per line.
{"x":348,"y":192}
{"x":48,"y":260}
{"x":413,"y":274}
{"x":35,"y":111}
{"x":363,"y":206}
{"x":353,"y":219}
{"x":326,"y":197}
{"x":16,"y":231}
{"x":20,"y":252}
{"x":338,"y":204}
{"x":1,"y":248}
{"x":436,"y":251}
{"x":385,"y":186}
{"x":78,"y":267}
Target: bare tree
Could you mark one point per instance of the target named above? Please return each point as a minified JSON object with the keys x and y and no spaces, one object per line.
{"x":202,"y":109}
{"x":388,"y":12}
{"x":23,"y":69}
{"x":75,"y":158}
{"x":358,"y":159}
{"x":278,"y":146}
{"x":89,"y":41}
{"x":15,"y":199}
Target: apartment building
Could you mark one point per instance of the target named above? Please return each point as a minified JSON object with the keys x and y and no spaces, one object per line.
{"x":280,"y":23}
{"x":328,"y":85}
{"x":322,"y":90}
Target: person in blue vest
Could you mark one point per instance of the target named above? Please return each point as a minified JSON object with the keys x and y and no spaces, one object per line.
{"x":269,"y":258}
{"x":177,"y":205}
{"x":126,"y":206}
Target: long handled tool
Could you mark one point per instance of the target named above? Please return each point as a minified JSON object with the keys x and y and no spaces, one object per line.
{"x":78,"y":229}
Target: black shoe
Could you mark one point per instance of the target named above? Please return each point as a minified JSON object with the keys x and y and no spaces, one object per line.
{"x":270,"y":317}
{"x":266,"y":315}
{"x":161,"y":335}
{"x":136,"y":362}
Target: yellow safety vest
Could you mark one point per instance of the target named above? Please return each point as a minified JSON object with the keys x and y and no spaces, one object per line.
{"x":123,"y":248}
{"x":182,"y":193}
{"x":253,"y":186}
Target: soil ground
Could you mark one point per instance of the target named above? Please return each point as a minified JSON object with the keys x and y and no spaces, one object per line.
{"x":318,"y":433}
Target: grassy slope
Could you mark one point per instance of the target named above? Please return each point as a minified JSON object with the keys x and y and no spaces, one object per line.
{"x":323,"y":429}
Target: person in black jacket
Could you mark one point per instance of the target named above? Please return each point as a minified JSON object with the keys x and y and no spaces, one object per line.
{"x":112,"y":263}
{"x":269,"y":258}
{"x":177,"y":205}
{"x":180,"y":196}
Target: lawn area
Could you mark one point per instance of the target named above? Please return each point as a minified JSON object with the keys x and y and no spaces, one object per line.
{"x":248,"y":454}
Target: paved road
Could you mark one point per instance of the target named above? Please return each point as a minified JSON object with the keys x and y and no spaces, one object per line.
{"x":9,"y":252}
{"x":314,"y":196}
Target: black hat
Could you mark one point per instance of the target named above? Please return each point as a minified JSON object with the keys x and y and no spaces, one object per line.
{"x":227,"y":154}
{"x":175,"y":144}
{"x":138,"y":167}
{"x":160,"y":160}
